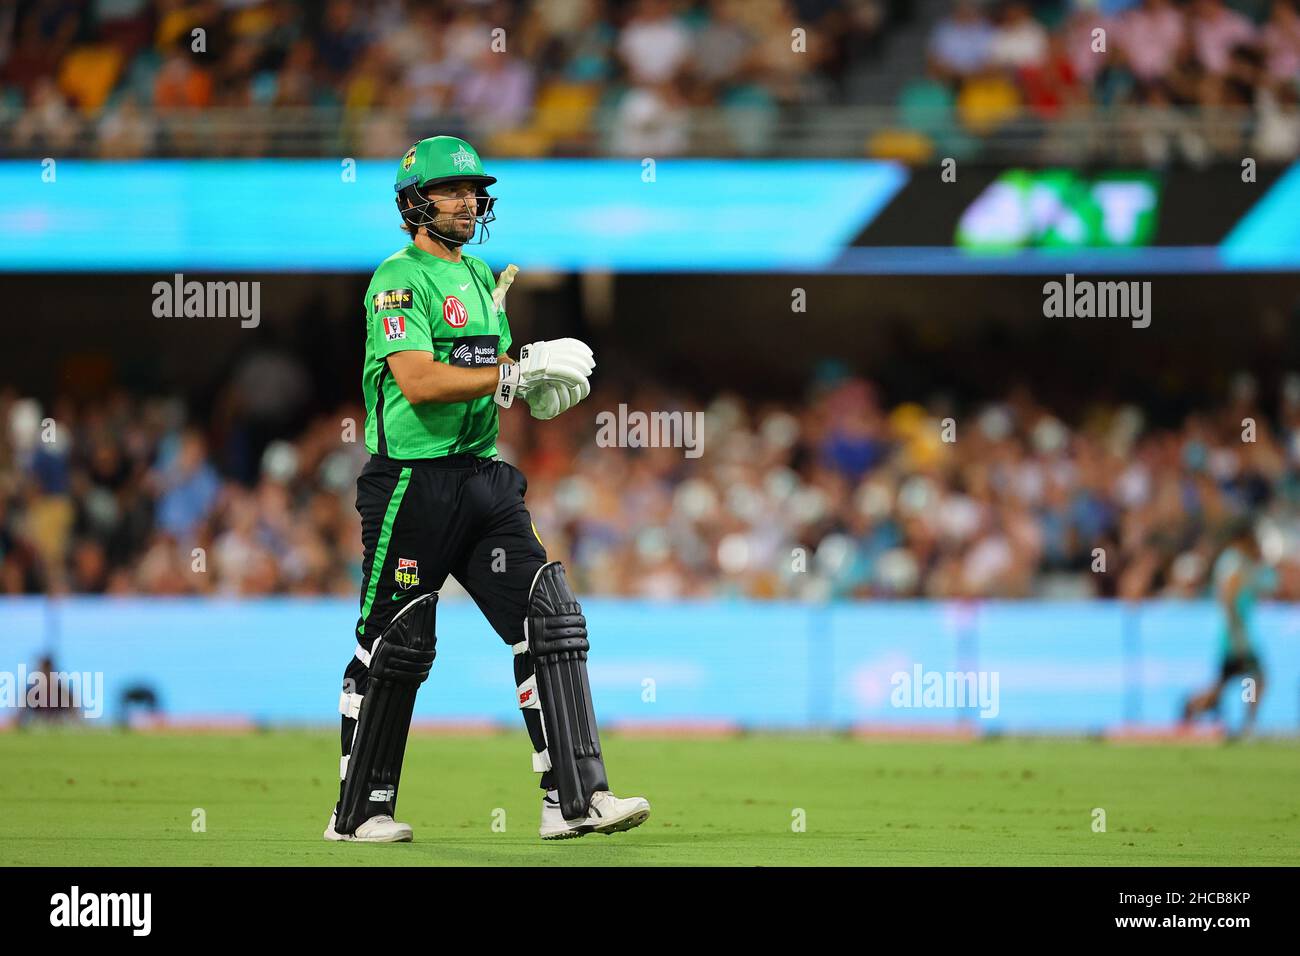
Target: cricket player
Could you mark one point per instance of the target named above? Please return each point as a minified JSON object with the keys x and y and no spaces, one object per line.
{"x":1240,"y":578}
{"x":435,"y":499}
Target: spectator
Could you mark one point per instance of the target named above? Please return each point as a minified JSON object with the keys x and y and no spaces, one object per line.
{"x":187,"y":485}
{"x":962,"y":44}
{"x":1052,"y":86}
{"x":48,"y":125}
{"x":1281,"y":41}
{"x":651,"y":121}
{"x":182,"y":83}
{"x":1216,"y":31}
{"x":1019,"y":40}
{"x":342,"y":40}
{"x":654,"y":45}
{"x":1151,"y":37}
{"x":126,"y":132}
{"x":1088,"y":51}
{"x":496,"y":94}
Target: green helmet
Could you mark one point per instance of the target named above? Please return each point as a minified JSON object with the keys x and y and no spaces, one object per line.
{"x":436,"y":160}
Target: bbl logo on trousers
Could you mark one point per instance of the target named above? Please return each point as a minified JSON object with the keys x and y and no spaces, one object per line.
{"x":407,"y":573}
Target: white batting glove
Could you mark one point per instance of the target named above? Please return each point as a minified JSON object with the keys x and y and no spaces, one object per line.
{"x":550,"y":399}
{"x":563,"y":361}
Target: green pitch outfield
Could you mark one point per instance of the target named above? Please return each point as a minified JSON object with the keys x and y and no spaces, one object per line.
{"x":80,"y":799}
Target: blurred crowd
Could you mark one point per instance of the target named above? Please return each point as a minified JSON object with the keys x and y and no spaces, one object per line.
{"x":127,"y":78}
{"x":994,"y":63}
{"x":842,"y":495}
{"x":530,"y":77}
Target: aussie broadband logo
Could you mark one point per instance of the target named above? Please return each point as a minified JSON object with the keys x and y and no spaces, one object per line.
{"x":75,"y":908}
{"x":475,"y":351}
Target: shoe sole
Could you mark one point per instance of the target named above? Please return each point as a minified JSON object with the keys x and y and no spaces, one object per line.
{"x":355,"y":840}
{"x":632,"y":820}
{"x":566,"y":834}
{"x":349,"y":838}
{"x":629,"y":822}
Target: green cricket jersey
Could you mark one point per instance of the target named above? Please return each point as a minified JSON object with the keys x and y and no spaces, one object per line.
{"x":419,"y":301}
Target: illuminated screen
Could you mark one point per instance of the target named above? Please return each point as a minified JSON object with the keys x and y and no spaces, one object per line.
{"x":1062,"y":209}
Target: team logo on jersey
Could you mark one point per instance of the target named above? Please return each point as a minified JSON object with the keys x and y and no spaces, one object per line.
{"x":393,"y":299}
{"x":407,"y":573}
{"x":409,"y":159}
{"x":395,"y":327}
{"x":454,"y":312}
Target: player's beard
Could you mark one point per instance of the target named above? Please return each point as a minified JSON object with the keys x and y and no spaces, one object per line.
{"x":452,"y":230}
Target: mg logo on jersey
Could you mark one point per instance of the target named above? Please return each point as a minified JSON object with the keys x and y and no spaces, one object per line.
{"x":407,"y":573}
{"x":395,"y":327}
{"x":454,"y":312}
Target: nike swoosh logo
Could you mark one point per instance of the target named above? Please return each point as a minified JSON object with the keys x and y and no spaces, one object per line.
{"x":398,"y":596}
{"x":464,"y":287}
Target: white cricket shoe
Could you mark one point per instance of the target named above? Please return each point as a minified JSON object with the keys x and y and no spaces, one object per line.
{"x":605,"y":814}
{"x":380,"y":829}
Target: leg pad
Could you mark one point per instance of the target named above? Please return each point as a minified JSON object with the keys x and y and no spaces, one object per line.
{"x":400,"y":661}
{"x":556,"y":632}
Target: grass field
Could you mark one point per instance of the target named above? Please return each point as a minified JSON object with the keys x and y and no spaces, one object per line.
{"x":77,"y":799}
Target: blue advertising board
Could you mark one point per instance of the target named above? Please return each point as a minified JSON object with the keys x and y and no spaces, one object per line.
{"x":1047,"y":667}
{"x":683,"y":215}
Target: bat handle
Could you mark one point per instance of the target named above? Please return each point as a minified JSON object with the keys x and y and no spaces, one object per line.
{"x":503,"y":285}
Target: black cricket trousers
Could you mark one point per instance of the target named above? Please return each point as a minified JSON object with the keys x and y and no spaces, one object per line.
{"x":424,"y":519}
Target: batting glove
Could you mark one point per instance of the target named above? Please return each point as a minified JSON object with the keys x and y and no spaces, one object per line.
{"x":550,"y":399}
{"x":562,"y":361}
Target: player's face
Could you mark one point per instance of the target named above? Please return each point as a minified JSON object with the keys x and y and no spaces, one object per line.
{"x":455,"y":206}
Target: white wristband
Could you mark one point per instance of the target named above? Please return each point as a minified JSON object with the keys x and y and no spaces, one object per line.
{"x":507,"y":384}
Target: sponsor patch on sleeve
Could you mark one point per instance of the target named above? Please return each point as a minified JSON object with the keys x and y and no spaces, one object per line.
{"x":394,"y":299}
{"x":394,"y":327}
